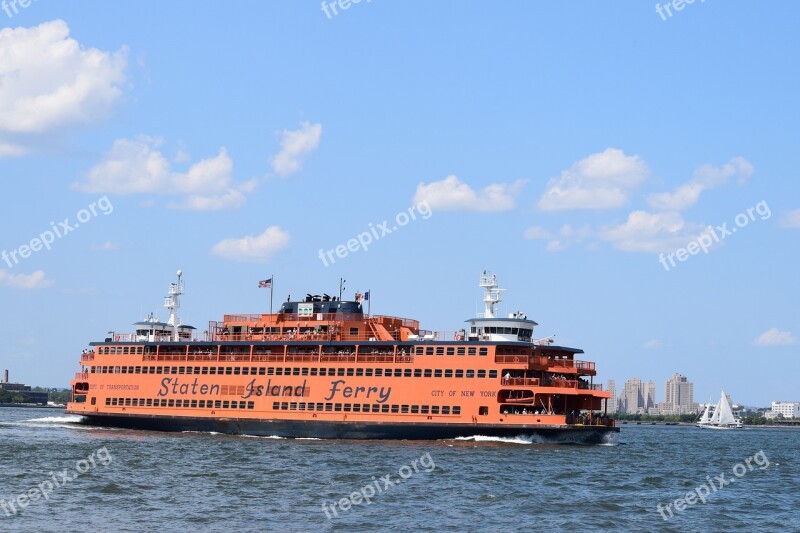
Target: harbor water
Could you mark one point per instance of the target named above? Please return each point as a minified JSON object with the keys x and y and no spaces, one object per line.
{"x":59,"y":475}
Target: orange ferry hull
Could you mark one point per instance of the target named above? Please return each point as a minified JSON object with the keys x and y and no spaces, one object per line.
{"x":322,"y":368}
{"x":355,"y":430}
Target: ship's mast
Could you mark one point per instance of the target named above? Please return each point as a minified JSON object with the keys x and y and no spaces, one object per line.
{"x":172,"y":302}
{"x":493,"y":294}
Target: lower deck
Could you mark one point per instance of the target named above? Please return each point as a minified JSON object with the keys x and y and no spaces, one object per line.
{"x":321,"y":429}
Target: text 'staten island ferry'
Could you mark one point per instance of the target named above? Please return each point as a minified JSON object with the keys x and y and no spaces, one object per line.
{"x":323,"y":368}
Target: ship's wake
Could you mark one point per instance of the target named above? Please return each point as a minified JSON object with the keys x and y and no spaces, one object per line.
{"x":526,"y":439}
{"x":68,"y":421}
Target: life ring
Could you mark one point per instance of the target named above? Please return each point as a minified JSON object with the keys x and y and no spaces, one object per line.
{"x":516,"y":359}
{"x":116,"y":338}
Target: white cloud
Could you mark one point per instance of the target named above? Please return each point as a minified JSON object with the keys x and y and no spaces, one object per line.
{"x":651,"y":232}
{"x":566,"y":237}
{"x":603,"y":180}
{"x":137,"y":166}
{"x":705,"y":177}
{"x":556,"y":245}
{"x":37,"y":280}
{"x":107,"y":246}
{"x":296,"y":146}
{"x":790,"y":219}
{"x":258,"y":248}
{"x":536,"y":233}
{"x":51,"y":83}
{"x":652,"y":344}
{"x":450,"y":194}
{"x":775,"y":337}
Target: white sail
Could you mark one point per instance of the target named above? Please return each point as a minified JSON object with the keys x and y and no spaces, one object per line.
{"x":715,"y":417}
{"x":724,"y":411}
{"x":705,"y":418}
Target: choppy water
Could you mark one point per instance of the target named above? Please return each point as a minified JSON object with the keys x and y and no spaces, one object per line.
{"x":207,"y":482}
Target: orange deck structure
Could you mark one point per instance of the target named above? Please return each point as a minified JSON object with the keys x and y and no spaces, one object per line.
{"x":323,"y":368}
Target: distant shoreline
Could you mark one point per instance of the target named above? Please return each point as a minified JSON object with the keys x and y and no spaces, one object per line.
{"x":621,"y":423}
{"x":33,"y":405}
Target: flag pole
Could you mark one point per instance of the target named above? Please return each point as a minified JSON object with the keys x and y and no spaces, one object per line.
{"x":271,"y":284}
{"x":369,"y":305}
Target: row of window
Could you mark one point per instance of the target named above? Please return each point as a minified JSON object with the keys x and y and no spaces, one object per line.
{"x":201,"y":404}
{"x":288,"y":406}
{"x":297,"y":371}
{"x":419,"y":350}
{"x":367,"y":408}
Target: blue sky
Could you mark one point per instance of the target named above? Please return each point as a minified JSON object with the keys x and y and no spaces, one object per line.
{"x":563,"y":146}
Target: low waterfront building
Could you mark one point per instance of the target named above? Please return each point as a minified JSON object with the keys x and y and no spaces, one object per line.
{"x":20,"y":390}
{"x":784,"y":409}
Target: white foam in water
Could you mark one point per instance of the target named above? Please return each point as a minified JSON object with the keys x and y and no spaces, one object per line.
{"x":508,"y":440}
{"x":54,"y":419}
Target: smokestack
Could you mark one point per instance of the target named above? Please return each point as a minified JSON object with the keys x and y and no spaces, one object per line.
{"x":5,"y":376}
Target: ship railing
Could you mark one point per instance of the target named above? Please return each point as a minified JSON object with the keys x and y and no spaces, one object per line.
{"x":567,"y":364}
{"x":81,"y":375}
{"x":509,"y":359}
{"x":340,"y":356}
{"x":585,"y":419}
{"x":245,"y":318}
{"x":597,"y":386}
{"x":561,"y":383}
{"x":87,"y":356}
{"x":525,"y":382}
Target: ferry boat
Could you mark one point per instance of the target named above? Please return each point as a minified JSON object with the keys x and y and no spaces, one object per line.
{"x":321,"y":367}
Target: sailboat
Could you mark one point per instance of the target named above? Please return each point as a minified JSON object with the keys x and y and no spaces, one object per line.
{"x":722,"y":418}
{"x":706,"y":417}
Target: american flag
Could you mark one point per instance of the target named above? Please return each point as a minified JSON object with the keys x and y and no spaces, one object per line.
{"x":265,"y":284}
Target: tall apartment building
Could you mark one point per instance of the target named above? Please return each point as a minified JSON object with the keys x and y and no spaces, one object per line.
{"x":612,"y":403}
{"x":679,"y":392}
{"x":650,"y":395}
{"x":632,"y":398}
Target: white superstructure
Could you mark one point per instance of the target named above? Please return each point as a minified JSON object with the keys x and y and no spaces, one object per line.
{"x":487,"y":327}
